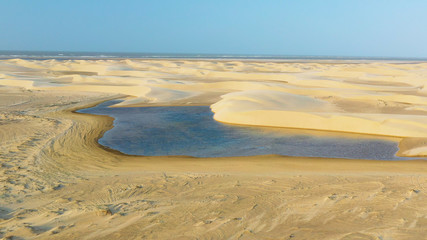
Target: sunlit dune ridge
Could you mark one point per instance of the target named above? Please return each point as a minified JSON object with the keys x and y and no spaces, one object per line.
{"x":382,"y":98}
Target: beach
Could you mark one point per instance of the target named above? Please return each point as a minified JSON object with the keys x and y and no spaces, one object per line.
{"x":60,"y":183}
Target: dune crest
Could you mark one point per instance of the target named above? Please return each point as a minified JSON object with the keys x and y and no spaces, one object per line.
{"x":276,"y":109}
{"x":381,"y":98}
{"x":59,"y":183}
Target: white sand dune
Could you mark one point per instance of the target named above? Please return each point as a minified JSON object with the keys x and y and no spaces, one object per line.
{"x":57,"y":182}
{"x":269,"y":108}
{"x":382,"y":98}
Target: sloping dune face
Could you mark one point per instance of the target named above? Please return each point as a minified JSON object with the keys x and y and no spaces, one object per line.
{"x":382,"y":98}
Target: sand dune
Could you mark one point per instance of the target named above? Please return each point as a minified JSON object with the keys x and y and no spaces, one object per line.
{"x":270,"y":108}
{"x":59,"y":183}
{"x":383,"y":98}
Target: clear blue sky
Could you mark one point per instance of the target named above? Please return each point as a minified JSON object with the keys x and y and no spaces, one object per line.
{"x":394,"y":28}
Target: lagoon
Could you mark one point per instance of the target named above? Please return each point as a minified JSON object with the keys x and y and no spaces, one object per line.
{"x":192,"y":131}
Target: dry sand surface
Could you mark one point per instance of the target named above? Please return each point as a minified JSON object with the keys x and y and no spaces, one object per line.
{"x":59,"y":183}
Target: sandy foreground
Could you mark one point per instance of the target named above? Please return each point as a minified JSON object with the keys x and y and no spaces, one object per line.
{"x":59,"y":183}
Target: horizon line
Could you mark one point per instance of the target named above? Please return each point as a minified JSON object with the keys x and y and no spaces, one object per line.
{"x":225,"y":55}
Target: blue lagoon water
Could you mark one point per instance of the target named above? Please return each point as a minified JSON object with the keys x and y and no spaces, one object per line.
{"x":192,"y":131}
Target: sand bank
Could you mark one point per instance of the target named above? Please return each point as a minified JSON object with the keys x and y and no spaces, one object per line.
{"x":58,"y":183}
{"x":381,"y":98}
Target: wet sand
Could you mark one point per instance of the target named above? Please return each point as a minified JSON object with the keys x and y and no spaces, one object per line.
{"x":59,"y":183}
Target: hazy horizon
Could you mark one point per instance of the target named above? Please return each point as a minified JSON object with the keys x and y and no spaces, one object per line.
{"x":28,"y":54}
{"x":362,"y":28}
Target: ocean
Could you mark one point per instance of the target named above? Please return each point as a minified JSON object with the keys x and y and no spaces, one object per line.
{"x":65,"y":55}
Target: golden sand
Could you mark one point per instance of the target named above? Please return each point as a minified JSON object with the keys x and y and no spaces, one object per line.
{"x":59,"y":183}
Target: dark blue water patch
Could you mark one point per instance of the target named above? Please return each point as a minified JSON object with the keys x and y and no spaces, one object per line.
{"x":192,"y":131}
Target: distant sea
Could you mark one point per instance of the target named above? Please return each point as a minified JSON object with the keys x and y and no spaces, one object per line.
{"x":45,"y":55}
